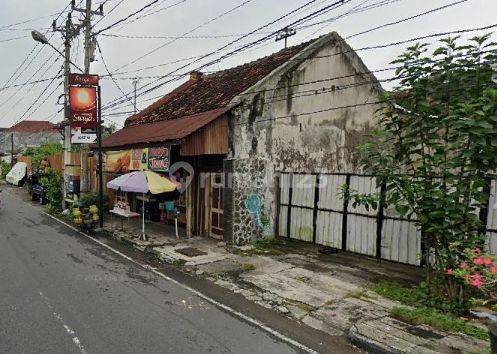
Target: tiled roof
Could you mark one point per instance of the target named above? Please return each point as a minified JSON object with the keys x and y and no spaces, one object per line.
{"x":32,"y":126}
{"x":212,"y":91}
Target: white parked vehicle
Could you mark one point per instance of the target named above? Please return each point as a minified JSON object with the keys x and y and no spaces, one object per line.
{"x":17,"y":175}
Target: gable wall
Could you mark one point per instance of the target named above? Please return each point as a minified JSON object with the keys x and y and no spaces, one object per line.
{"x":271,"y":131}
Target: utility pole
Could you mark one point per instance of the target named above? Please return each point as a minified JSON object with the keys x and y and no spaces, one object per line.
{"x":285,"y":33}
{"x":11,"y":150}
{"x":135,"y":83}
{"x":69,"y":32}
{"x":89,"y":57}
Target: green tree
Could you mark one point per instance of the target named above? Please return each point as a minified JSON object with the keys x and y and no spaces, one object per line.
{"x":434,"y":151}
{"x":42,"y":152}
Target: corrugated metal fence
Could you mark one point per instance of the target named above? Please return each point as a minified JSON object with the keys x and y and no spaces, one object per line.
{"x":312,"y":209}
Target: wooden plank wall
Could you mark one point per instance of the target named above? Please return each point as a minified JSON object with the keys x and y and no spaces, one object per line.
{"x":209,"y":140}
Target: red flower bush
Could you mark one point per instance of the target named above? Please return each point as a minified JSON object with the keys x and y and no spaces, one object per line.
{"x":476,"y":269}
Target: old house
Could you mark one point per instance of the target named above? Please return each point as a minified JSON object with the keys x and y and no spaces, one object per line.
{"x":29,"y":133}
{"x":303,"y":109}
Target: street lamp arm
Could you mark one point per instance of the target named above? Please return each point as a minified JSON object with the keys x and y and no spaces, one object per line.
{"x":62,"y":54}
{"x":40,"y":37}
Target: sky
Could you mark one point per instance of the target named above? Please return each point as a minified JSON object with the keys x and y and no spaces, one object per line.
{"x":208,"y":25}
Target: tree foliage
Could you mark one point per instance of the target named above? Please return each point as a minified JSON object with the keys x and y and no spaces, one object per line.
{"x":437,"y":147}
{"x":40,"y":153}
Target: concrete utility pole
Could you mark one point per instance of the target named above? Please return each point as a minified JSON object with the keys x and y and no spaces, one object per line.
{"x":68,"y":32}
{"x":135,"y":83}
{"x":89,"y":57}
{"x":285,"y":33}
{"x":11,"y":150}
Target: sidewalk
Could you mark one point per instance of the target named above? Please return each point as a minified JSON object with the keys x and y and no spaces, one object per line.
{"x":329,"y":292}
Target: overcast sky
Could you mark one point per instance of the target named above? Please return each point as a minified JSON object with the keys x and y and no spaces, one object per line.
{"x":126,"y":56}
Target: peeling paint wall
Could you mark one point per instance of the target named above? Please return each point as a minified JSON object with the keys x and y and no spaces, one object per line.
{"x":297,"y":121}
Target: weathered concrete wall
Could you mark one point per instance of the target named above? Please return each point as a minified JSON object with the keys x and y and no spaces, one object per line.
{"x":299,"y":121}
{"x":24,"y":140}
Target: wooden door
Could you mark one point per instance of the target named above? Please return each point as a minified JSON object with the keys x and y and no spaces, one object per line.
{"x":216,"y":206}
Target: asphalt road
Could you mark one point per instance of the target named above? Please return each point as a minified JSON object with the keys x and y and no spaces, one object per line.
{"x":63,"y":293}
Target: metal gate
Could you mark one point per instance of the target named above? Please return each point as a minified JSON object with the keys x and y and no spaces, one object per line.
{"x":312,"y":209}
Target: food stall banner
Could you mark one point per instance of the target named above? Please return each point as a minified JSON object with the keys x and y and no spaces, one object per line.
{"x":158,"y":158}
{"x":139,"y":159}
{"x":153,"y":159}
{"x":117,"y":161}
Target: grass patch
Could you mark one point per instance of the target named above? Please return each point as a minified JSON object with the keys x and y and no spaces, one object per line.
{"x":264,"y":246}
{"x":359,"y":294}
{"x":247,"y":267}
{"x":438,"y":320}
{"x":179,"y":262}
{"x":396,"y":292}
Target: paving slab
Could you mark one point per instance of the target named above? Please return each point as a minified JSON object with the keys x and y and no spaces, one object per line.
{"x":169,"y":254}
{"x":388,"y":335}
{"x":288,"y":287}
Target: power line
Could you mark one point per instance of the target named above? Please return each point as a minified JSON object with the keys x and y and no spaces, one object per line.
{"x":28,"y":56}
{"x":150,"y":13}
{"x":37,"y":99}
{"x":12,"y":39}
{"x":119,"y":100}
{"x":108,"y":72}
{"x":187,"y":33}
{"x":125,"y":18}
{"x":322,"y":10}
{"x":407,"y":18}
{"x":29,"y":90}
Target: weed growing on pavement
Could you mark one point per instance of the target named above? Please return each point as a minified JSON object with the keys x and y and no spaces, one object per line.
{"x":179,"y":262}
{"x":247,"y":267}
{"x":421,"y":296}
{"x":438,"y":320}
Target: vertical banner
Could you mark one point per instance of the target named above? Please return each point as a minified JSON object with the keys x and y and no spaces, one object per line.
{"x":83,"y":106}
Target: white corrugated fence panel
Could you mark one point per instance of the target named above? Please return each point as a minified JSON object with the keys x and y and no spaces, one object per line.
{"x":303,"y":190}
{"x":283,"y":217}
{"x":301,"y":224}
{"x":492,"y":219}
{"x":400,"y":241}
{"x":329,"y":192}
{"x":284,"y":187}
{"x":329,"y":229}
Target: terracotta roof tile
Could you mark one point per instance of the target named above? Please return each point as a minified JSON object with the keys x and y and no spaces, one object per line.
{"x":212,"y":91}
{"x":32,"y":126}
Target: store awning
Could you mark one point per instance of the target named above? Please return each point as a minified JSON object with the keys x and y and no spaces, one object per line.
{"x":166,"y":130}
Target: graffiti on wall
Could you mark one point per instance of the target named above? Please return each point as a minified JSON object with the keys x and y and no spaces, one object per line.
{"x":253,"y":204}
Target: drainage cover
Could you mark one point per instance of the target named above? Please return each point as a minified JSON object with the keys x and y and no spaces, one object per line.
{"x":191,"y":252}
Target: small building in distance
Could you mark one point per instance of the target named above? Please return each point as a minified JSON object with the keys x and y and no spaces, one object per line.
{"x":28,"y":133}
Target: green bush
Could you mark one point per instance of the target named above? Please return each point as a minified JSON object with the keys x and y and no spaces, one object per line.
{"x":42,"y":152}
{"x":5,"y":168}
{"x":52,"y":182}
{"x":91,"y":198}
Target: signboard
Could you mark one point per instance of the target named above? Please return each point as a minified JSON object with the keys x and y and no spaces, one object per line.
{"x":117,"y":161}
{"x":154,"y":159}
{"x":79,"y":137}
{"x":83,"y":80}
{"x":158,"y":158}
{"x":83,"y":104}
{"x":139,"y":159}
